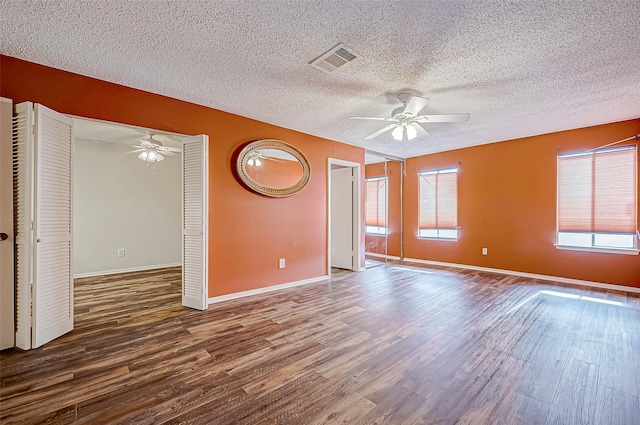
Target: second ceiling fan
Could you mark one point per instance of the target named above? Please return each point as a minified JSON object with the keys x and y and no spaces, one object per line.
{"x":152,"y":150}
{"x":405,"y":121}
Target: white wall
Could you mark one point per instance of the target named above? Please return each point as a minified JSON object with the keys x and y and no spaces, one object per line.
{"x":120,"y":202}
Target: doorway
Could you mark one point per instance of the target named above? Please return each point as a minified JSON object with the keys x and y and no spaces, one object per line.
{"x":344,"y":217}
{"x":44,"y":165}
{"x":127,"y":209}
{"x":162,"y":211}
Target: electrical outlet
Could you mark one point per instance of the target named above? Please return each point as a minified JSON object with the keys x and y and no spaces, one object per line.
{"x":281,"y":263}
{"x":120,"y":252}
{"x":484,"y":251}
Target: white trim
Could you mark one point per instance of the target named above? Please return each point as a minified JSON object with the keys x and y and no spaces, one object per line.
{"x":127,"y":270}
{"x":357,"y":205}
{"x":131,"y":126}
{"x":625,"y":251}
{"x":264,"y":290}
{"x":4,"y":99}
{"x":530,"y":275}
{"x":375,"y":254}
{"x":430,"y":238}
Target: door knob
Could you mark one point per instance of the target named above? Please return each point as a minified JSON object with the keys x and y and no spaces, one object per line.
{"x":3,"y":236}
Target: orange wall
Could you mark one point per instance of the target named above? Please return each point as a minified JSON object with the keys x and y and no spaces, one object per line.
{"x":507,"y":203}
{"x":374,"y":243}
{"x":248,"y":232}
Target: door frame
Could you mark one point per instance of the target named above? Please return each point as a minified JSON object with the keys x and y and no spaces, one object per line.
{"x":205,"y":185}
{"x":185,"y":138}
{"x":33,"y":343}
{"x":357,"y":210}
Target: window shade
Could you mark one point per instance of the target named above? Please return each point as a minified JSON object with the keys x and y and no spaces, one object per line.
{"x":439,"y":200}
{"x":375,"y":203}
{"x":597,"y":191}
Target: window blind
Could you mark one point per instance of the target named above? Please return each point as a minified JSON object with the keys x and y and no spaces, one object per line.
{"x":597,"y":191}
{"x":439,"y":199}
{"x":375,"y":203}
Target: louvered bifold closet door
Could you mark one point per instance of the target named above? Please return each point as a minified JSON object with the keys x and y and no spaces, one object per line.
{"x":22,"y":196}
{"x":194,"y":222}
{"x":53,"y":274}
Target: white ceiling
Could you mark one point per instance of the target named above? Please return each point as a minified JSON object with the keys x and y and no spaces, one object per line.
{"x":520,"y":68}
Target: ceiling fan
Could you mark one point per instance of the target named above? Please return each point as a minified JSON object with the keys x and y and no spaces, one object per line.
{"x":405,"y":120}
{"x":151,"y":150}
{"x":256,"y":156}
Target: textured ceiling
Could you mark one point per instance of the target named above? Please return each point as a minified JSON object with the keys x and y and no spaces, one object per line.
{"x":520,"y":68}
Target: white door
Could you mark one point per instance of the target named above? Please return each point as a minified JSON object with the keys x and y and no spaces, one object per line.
{"x":43,"y":158}
{"x":342,"y":218}
{"x":195,"y":201}
{"x":7,"y":335}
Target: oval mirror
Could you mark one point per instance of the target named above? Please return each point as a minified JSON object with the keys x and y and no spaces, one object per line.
{"x":273,"y":168}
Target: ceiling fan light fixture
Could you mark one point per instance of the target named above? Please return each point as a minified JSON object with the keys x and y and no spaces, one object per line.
{"x":150,"y":155}
{"x":412,"y":132}
{"x":254,"y":159}
{"x":398,"y":133}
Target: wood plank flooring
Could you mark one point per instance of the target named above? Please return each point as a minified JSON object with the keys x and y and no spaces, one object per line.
{"x":396,"y":344}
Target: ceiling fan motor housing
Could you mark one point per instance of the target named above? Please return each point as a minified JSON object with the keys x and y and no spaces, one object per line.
{"x":397,"y":111}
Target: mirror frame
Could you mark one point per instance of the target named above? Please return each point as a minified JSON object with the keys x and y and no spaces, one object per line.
{"x":270,"y":191}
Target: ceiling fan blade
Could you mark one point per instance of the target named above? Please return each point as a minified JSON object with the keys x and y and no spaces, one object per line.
{"x":272,"y":159}
{"x":166,"y":138}
{"x":415,"y":105}
{"x":172,"y":149}
{"x":421,"y":131}
{"x":423,"y":119}
{"x":167,"y":153}
{"x":136,"y":151}
{"x":371,"y":118}
{"x":379,"y":132}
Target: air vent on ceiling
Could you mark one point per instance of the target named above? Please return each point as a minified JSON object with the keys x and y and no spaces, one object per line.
{"x":339,"y":56}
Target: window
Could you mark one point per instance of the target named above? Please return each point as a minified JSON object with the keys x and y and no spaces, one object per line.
{"x":439,"y":204}
{"x":375,"y":214}
{"x":597,"y":199}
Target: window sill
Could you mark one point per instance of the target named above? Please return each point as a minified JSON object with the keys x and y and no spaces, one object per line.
{"x":426,"y":238}
{"x":626,"y":251}
{"x":375,"y":234}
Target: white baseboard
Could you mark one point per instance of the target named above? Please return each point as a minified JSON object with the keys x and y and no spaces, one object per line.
{"x":531,"y":275}
{"x":373,"y":254}
{"x":131,"y":269}
{"x":264,"y":290}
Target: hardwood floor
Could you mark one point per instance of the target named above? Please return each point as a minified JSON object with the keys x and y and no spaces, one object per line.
{"x":396,"y":344}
